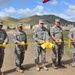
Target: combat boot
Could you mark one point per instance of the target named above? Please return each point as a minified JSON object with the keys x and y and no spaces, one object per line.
{"x":54,"y":66}
{"x":18,"y":69}
{"x":37,"y":67}
{"x":21,"y":67}
{"x":44,"y":67}
{"x":73,"y":64}
{"x":1,"y":73}
{"x":60,"y":64}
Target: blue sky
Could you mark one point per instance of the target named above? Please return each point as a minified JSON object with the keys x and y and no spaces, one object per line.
{"x":25,"y":8}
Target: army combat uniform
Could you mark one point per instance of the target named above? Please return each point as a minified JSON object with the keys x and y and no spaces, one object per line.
{"x":3,"y":41}
{"x":40,"y":34}
{"x":57,"y":51}
{"x":3,"y":38}
{"x":20,"y":49}
{"x":72,"y":36}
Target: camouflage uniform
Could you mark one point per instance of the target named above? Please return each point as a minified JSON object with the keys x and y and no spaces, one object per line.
{"x":57,"y":51}
{"x":40,"y":34}
{"x":72,"y":36}
{"x":3,"y":38}
{"x":20,"y":49}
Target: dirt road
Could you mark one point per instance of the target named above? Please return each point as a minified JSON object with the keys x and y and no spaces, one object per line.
{"x":9,"y":62}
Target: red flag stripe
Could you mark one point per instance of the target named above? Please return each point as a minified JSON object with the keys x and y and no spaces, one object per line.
{"x":44,"y":1}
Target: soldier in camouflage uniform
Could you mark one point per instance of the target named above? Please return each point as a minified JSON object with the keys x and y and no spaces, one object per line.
{"x":20,"y":38}
{"x":40,"y":35}
{"x":72,"y":38}
{"x":3,"y":41}
{"x":56,"y":34}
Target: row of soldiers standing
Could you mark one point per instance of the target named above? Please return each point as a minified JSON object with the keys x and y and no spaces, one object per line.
{"x":40,"y":34}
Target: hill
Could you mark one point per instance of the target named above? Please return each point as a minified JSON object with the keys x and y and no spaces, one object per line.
{"x":49,"y":19}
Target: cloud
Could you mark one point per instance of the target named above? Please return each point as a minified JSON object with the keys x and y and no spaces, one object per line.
{"x":71,"y":12}
{"x":66,"y":3}
{"x":68,"y":13}
{"x":2,"y":2}
{"x":38,"y":10}
{"x":54,"y":3}
{"x":29,"y":12}
{"x":7,"y":12}
{"x":10,"y":10}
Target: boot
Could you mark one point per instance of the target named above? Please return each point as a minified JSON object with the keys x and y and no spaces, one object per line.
{"x":19,"y":70}
{"x":60,"y":64}
{"x":21,"y":67}
{"x":54,"y":66}
{"x":73,"y":64}
{"x":1,"y":73}
{"x":37,"y":67}
{"x":44,"y":67}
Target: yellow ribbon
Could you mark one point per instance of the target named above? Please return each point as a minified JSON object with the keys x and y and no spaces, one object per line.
{"x":47,"y":45}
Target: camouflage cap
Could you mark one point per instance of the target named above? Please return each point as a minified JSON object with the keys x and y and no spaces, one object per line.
{"x":1,"y":22}
{"x":41,"y":21}
{"x":19,"y":24}
{"x":57,"y":20}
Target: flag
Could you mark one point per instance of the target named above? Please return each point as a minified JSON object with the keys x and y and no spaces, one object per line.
{"x":44,"y":1}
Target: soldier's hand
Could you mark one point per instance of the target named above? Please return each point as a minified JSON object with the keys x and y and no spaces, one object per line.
{"x":22,"y":43}
{"x":57,"y":41}
{"x":42,"y":41}
{"x":0,"y":45}
{"x":4,"y":44}
{"x":73,"y":40}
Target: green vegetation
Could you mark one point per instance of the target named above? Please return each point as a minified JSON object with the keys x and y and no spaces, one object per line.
{"x":29,"y":35}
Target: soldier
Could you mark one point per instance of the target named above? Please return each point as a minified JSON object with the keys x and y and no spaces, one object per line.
{"x":57,"y":34}
{"x":72,"y":38}
{"x":40,"y":35}
{"x":20,"y":38}
{"x":3,"y":41}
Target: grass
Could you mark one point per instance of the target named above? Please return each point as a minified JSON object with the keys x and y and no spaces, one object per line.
{"x":66,"y":49}
{"x":29,"y":35}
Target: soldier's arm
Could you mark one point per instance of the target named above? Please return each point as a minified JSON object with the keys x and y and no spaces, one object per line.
{"x":25,"y":38}
{"x":62,"y":37}
{"x":52,"y":34}
{"x":15,"y":39}
{"x":6,"y":40}
{"x":26,"y":45}
{"x":35,"y":36}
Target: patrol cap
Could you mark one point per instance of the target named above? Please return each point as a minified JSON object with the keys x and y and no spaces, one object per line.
{"x":57,"y":20}
{"x":41,"y":21}
{"x":19,"y":24}
{"x":1,"y":22}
